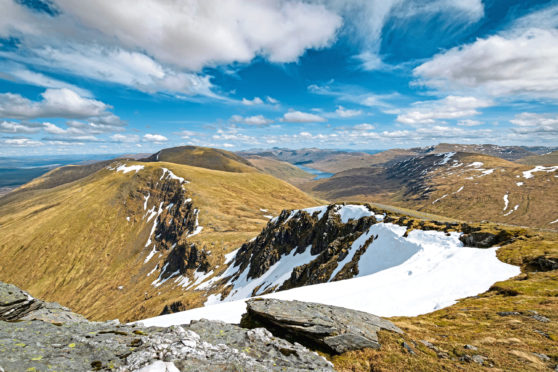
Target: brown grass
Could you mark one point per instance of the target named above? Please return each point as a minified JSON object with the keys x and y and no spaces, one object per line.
{"x":72,"y":244}
{"x":509,"y":343}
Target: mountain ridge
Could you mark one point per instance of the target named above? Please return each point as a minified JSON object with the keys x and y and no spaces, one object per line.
{"x":465,"y":186}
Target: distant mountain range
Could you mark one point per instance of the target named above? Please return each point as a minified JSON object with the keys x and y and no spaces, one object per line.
{"x":335,"y":161}
{"x":466,"y":182}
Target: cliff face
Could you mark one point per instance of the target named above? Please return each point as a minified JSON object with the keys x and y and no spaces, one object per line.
{"x":292,"y":232}
{"x":168,"y":207}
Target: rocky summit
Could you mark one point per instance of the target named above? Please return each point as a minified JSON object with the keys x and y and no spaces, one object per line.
{"x":330,"y":328}
{"x":37,"y":336}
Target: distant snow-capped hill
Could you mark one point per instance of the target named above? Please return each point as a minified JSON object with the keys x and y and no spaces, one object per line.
{"x":462,"y":186}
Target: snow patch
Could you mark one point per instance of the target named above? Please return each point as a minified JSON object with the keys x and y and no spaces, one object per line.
{"x":149,"y":256}
{"x":125,"y":169}
{"x":519,"y":184}
{"x":146,"y":199}
{"x":346,"y":212}
{"x":539,"y":168}
{"x":172,"y":176}
{"x":476,"y":164}
{"x":506,"y":202}
{"x":199,"y":277}
{"x":182,"y":281}
{"x":274,"y":277}
{"x":198,"y":229}
{"x":321,"y":209}
{"x":512,"y":210}
{"x":152,"y":271}
{"x":352,"y":212}
{"x":380,"y":254}
{"x":447,"y":157}
{"x":459,"y":190}
{"x":159,"y":281}
{"x":440,"y":198}
{"x":231,"y":255}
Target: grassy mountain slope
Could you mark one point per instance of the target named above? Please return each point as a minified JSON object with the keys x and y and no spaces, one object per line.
{"x":550,"y":158}
{"x":470,"y":187}
{"x":203,"y":157}
{"x":280,"y":169}
{"x":83,"y":243}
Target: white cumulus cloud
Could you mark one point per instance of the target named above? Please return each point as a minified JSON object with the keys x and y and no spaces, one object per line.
{"x":125,"y":138}
{"x":343,"y":112}
{"x":55,"y":103}
{"x":19,"y":127}
{"x":157,"y":138}
{"x":450,"y":107}
{"x":301,"y":117}
{"x":520,"y":61}
{"x":257,"y":120}
{"x":252,"y":102}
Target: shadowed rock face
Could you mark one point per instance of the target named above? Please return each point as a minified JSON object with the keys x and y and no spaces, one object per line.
{"x":484,"y":239}
{"x":328,"y":237}
{"x":331,"y":328}
{"x":69,"y":342}
{"x":176,"y":218}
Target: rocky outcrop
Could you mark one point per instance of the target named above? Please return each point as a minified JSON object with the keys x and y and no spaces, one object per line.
{"x":330,"y":328}
{"x":327,"y":235}
{"x":185,"y":257}
{"x":481,"y":239}
{"x":75,"y":344}
{"x":543,"y":263}
{"x":174,"y":307}
{"x":216,"y":346}
{"x":16,"y":304}
{"x":172,"y":220}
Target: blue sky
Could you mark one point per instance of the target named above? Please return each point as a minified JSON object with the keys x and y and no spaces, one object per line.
{"x":110,"y":77}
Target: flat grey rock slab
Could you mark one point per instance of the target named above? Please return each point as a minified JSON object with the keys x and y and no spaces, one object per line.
{"x":204,"y":346}
{"x":331,"y":328}
{"x":16,"y":304}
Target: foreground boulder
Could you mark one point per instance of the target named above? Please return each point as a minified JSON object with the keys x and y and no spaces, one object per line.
{"x":16,"y":304}
{"x":330,"y":328}
{"x":71,"y":343}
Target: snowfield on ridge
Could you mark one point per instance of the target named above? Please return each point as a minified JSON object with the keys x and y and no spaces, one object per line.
{"x":398,"y":275}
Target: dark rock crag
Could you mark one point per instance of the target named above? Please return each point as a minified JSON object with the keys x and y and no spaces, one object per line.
{"x":176,"y":218}
{"x":328,"y":236}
